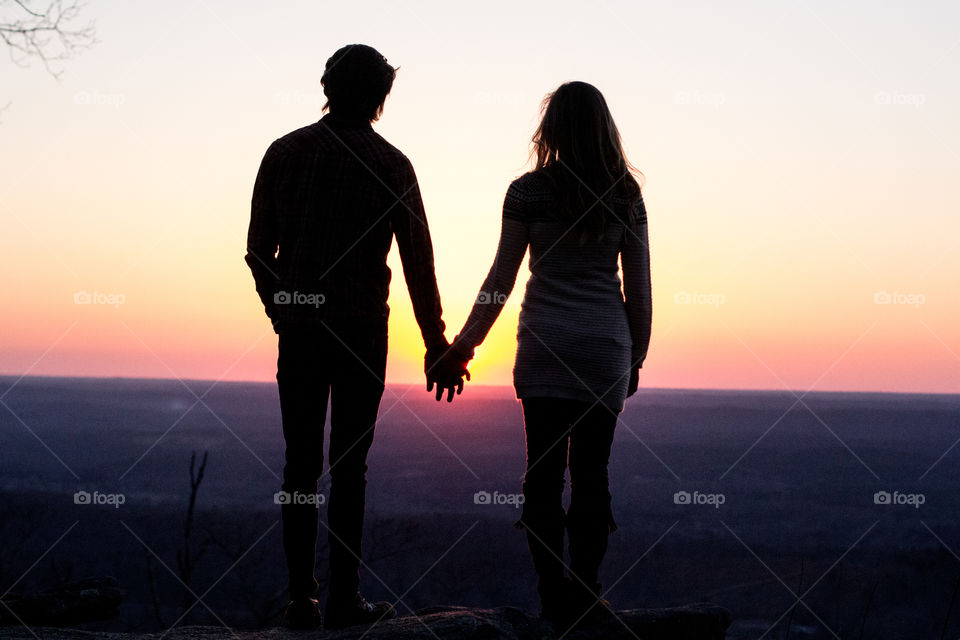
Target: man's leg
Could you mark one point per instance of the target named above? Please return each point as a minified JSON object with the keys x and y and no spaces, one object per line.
{"x":303,"y":408}
{"x":547,"y":426}
{"x":589,"y":518}
{"x":355,"y":399}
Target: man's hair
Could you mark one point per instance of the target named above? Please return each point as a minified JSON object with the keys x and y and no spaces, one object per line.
{"x":356,"y":81}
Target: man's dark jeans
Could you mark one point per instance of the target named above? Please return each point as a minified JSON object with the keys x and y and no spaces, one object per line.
{"x":344,"y":361}
{"x":562,"y":433}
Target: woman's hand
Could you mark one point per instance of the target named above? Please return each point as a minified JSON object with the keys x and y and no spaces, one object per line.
{"x":634,"y":381}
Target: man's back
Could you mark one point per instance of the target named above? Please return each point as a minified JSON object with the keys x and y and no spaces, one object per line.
{"x":327,"y":201}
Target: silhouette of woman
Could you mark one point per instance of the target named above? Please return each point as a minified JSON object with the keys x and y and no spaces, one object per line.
{"x":582,"y":335}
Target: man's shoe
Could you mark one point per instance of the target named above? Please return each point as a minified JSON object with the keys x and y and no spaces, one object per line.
{"x":348,"y":612}
{"x":302,"y":613}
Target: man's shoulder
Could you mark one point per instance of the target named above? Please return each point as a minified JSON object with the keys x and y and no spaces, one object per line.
{"x":361,"y":141}
{"x":389,"y":152}
{"x":308,"y":135}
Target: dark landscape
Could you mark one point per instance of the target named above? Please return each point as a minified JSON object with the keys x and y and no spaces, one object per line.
{"x":748,"y":500}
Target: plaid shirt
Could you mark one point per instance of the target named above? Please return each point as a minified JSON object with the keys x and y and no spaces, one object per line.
{"x":327,"y":202}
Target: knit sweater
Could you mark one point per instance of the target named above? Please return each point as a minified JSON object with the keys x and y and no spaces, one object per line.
{"x":580,"y":329}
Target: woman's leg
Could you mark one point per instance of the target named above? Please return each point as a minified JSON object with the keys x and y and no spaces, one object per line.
{"x":589,"y":518}
{"x":547,"y":432}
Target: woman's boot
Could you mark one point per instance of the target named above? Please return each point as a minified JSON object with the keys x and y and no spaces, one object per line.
{"x":545,"y":533}
{"x":588,"y":531}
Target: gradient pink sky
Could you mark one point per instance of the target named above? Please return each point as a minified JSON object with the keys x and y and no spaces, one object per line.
{"x":800,"y":163}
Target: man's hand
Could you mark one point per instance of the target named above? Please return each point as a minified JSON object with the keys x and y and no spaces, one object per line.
{"x":445,"y":370}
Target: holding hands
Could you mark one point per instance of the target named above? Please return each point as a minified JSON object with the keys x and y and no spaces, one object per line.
{"x":446,"y":370}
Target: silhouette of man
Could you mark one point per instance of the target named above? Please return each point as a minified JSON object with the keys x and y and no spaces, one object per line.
{"x":328,"y":200}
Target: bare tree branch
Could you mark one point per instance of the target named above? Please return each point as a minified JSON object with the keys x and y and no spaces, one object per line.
{"x":51,"y":34}
{"x":186,"y":558}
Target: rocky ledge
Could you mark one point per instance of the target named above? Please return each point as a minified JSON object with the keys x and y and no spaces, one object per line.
{"x":690,"y":622}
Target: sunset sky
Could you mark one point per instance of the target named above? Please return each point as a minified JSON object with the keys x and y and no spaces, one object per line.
{"x":800,"y":162}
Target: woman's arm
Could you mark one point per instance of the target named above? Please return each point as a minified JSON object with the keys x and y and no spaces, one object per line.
{"x":635,"y":260}
{"x":499,"y":283}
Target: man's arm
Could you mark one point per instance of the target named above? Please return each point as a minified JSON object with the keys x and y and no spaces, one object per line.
{"x":262,"y":236}
{"x":409,"y":223}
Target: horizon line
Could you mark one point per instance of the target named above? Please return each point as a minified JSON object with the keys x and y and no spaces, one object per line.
{"x":17,"y":378}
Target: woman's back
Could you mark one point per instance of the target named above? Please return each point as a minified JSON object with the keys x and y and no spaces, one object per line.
{"x":567,"y":274}
{"x":573,"y":337}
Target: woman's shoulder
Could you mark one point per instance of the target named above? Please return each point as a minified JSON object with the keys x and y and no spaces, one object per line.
{"x":639,"y":209}
{"x":532,"y":188}
{"x":533,"y":181}
{"x":630,"y":207}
